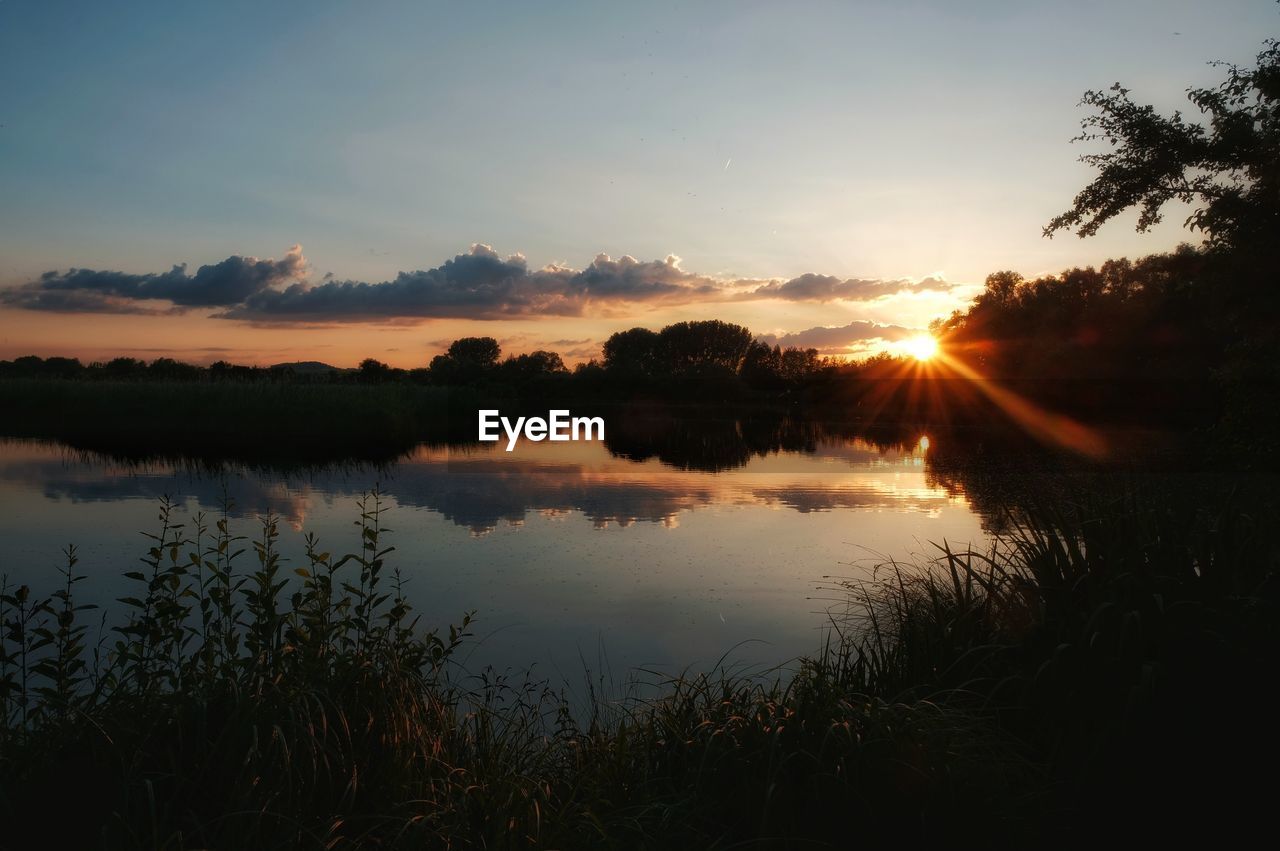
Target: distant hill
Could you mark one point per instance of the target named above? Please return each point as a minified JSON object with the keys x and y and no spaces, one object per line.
{"x":304,"y":367}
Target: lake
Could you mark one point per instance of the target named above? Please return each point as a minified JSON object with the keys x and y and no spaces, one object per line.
{"x":615,"y":557}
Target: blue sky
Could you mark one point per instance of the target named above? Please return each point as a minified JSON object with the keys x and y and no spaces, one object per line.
{"x":753,"y":140}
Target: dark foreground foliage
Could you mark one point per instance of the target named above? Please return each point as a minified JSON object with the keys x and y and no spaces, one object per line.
{"x":1098,"y":667}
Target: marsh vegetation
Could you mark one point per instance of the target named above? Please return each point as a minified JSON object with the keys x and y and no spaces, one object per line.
{"x":1058,"y":681}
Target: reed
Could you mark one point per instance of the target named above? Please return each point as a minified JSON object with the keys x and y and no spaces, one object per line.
{"x":1056,"y":683}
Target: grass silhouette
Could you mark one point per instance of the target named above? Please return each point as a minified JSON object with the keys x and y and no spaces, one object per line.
{"x":1090,"y":669}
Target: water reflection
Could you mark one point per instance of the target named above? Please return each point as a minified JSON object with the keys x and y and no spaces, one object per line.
{"x":480,"y":488}
{"x":668,"y":546}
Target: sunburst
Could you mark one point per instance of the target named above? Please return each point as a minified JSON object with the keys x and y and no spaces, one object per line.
{"x":922,"y":347}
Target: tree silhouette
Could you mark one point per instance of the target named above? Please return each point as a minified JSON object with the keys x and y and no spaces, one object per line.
{"x":534,"y":366}
{"x":634,"y":354}
{"x":707,"y":346}
{"x":1228,"y":171}
{"x":467,"y":360}
{"x":762,"y":366}
{"x":482,"y":352}
{"x":375,"y":371}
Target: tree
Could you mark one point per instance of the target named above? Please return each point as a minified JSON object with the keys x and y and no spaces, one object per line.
{"x":636,"y":353}
{"x":799,"y":365}
{"x":706,"y":346}
{"x":762,"y":366}
{"x":374,"y":371}
{"x":467,"y":360}
{"x":533,"y":366}
{"x":1228,"y":171}
{"x":1001,"y":289}
{"x":124,"y":367}
{"x":173,"y":370}
{"x":479,"y":352}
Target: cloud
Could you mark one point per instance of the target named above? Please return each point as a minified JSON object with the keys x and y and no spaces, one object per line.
{"x":31,"y":297}
{"x":823,"y":288}
{"x":628,"y":278}
{"x":478,"y":284}
{"x":481,"y":284}
{"x":839,"y":340}
{"x":222,"y":284}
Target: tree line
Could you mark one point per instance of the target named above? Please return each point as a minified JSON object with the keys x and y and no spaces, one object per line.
{"x":1199,"y":322}
{"x":702,"y":354}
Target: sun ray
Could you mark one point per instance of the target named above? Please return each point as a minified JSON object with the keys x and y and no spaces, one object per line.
{"x":921,"y":347}
{"x":1036,"y":421}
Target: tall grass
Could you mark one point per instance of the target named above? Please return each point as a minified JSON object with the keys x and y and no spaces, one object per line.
{"x":1097,"y":663}
{"x":1126,"y":638}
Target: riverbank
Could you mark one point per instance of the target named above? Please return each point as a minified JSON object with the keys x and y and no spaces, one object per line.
{"x":292,"y":424}
{"x":1089,"y":671}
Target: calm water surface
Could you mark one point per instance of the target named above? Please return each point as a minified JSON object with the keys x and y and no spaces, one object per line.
{"x":566,"y":552}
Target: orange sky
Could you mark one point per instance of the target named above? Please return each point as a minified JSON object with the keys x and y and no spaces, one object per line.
{"x":197,"y":338}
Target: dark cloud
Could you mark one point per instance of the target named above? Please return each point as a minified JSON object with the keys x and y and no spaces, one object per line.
{"x":218,"y":285}
{"x":811,"y":287}
{"x":31,"y":297}
{"x":838,"y":340}
{"x":474,"y":284}
{"x":480,"y":284}
{"x":628,"y":279}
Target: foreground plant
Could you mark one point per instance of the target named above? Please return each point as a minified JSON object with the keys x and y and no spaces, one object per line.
{"x":1038,"y":690}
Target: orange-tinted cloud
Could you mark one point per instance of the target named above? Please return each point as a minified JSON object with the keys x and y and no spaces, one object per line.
{"x":823,"y":288}
{"x":839,"y":340}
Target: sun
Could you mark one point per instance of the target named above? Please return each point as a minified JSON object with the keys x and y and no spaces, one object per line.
{"x":921,"y":348}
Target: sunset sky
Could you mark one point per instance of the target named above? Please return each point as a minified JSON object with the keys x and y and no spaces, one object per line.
{"x":348,"y":180}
